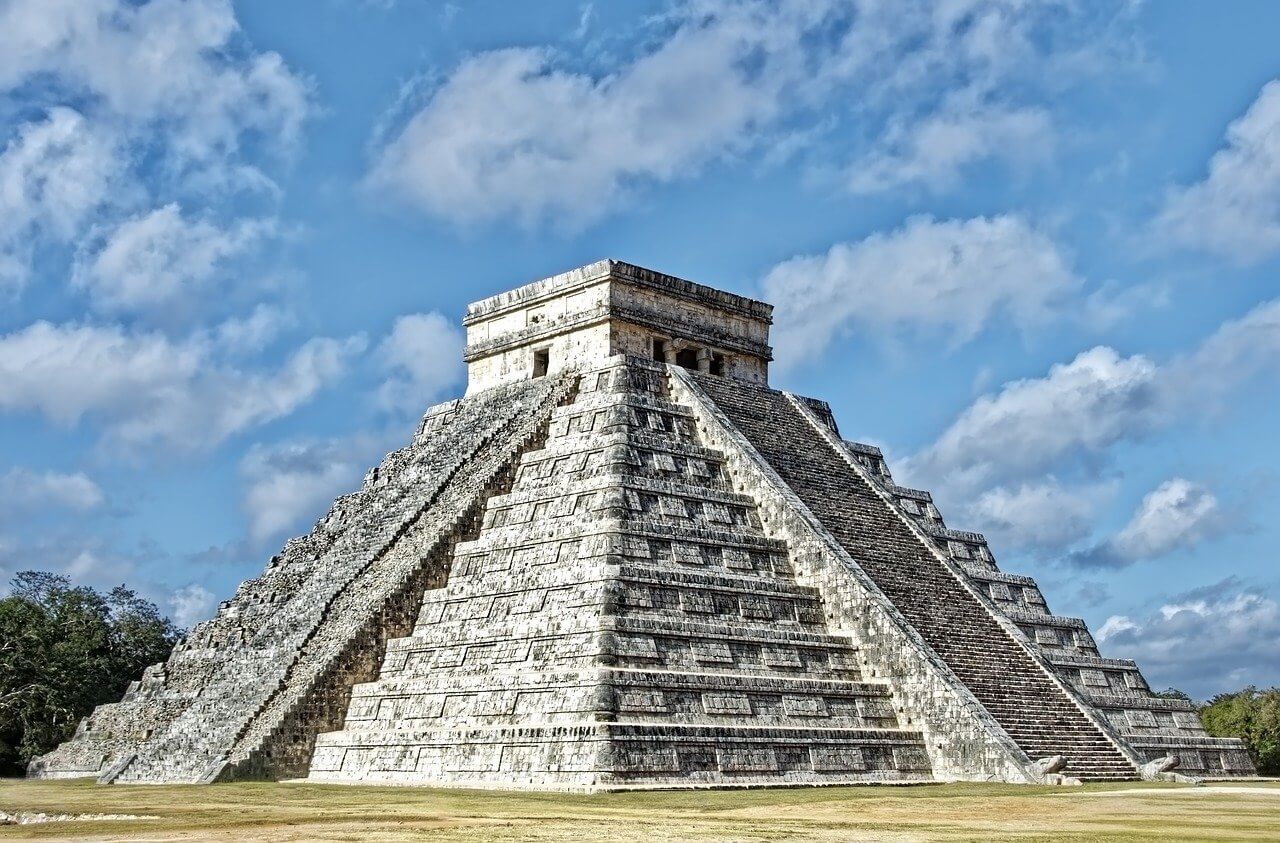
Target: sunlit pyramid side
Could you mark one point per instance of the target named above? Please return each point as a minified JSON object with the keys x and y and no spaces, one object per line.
{"x":623,"y":561}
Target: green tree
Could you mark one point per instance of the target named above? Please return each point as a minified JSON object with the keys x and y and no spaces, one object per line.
{"x":64,"y":650}
{"x":1254,"y":717}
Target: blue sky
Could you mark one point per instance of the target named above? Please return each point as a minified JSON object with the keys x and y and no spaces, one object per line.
{"x":1029,"y":249}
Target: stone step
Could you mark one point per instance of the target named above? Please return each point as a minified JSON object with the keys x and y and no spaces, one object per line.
{"x":613,"y":694}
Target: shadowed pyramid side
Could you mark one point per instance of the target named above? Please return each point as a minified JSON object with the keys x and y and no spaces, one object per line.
{"x":1156,"y":727}
{"x":284,"y":634}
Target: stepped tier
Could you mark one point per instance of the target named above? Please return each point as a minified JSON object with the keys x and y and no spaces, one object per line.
{"x":621,"y":620}
{"x":1126,"y":709}
{"x":597,"y":756}
{"x":239,"y":693}
{"x":1115,"y":687}
{"x":1001,"y":671}
{"x":622,"y":561}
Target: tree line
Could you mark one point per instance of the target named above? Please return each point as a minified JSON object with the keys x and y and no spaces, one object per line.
{"x":1252,"y":715}
{"x":65,"y":649}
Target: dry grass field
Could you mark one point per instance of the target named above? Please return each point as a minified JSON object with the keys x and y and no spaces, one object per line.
{"x":297,"y":812}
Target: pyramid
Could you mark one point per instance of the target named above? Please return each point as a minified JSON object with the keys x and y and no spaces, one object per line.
{"x":621,"y":561}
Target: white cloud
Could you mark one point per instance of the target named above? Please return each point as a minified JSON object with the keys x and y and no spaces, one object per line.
{"x":935,"y":151}
{"x":292,"y":483}
{"x":150,"y":390}
{"x":170,"y":62}
{"x":1044,"y":515}
{"x":1235,"y":210}
{"x":423,"y":355}
{"x":53,"y":175}
{"x":1219,"y":639}
{"x":191,"y":604}
{"x":1115,"y":625}
{"x":247,"y":335}
{"x":507,"y":135}
{"x":1177,"y":514}
{"x":1035,"y":425}
{"x":156,"y":257}
{"x":1065,"y":423}
{"x":949,"y":277}
{"x":1080,"y":409}
{"x":168,"y":101}
{"x":25,"y":491}
{"x":518,"y":133}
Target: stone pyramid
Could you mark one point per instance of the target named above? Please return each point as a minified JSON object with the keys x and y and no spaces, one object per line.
{"x":622,"y":561}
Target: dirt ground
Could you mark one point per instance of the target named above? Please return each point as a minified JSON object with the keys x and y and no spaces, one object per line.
{"x":298,"y":812}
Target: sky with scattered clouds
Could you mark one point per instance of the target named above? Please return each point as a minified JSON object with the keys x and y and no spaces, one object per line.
{"x":1029,"y":249}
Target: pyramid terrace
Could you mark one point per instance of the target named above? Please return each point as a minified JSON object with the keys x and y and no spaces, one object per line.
{"x":622,"y":560}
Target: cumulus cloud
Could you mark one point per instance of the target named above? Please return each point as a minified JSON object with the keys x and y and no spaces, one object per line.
{"x":1063,"y":425}
{"x":521,"y":133}
{"x":1044,"y":516}
{"x":172,"y":63}
{"x":25,"y":491}
{"x":1214,"y":639}
{"x":247,"y":335}
{"x":1037,"y":424}
{"x":154,"y":99}
{"x":508,"y":135}
{"x":1235,"y":210}
{"x":190,"y":604}
{"x":423,"y":357}
{"x":1081,"y":408}
{"x":1177,"y":514}
{"x":153,"y":258}
{"x":148,"y":389}
{"x":935,"y":151}
{"x":290,"y":484}
{"x":949,"y":277}
{"x":54,"y":173}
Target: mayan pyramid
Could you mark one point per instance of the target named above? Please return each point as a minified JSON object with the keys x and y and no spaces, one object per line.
{"x":622,"y":560}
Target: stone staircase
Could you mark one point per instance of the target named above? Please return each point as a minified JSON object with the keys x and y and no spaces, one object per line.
{"x":621,"y":621}
{"x":588,"y":573}
{"x":1154,"y":727}
{"x":1036,"y":712}
{"x":308,"y":651}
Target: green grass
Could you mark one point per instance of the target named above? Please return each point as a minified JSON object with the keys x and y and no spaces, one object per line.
{"x":300,"y":811}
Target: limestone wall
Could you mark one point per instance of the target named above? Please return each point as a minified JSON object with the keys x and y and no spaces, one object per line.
{"x":236,"y":682}
{"x":1114,"y":689}
{"x":962,"y":740}
{"x":620,"y":621}
{"x":580,"y":318}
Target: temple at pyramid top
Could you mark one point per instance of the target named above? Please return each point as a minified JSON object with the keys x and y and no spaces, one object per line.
{"x":580,"y":318}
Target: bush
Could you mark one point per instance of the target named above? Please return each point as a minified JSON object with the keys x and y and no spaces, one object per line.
{"x":64,"y":650}
{"x":1254,"y":717}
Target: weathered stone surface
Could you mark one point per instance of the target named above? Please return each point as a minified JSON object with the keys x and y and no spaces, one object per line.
{"x":621,"y":621}
{"x":623,"y":561}
{"x":278,"y":651}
